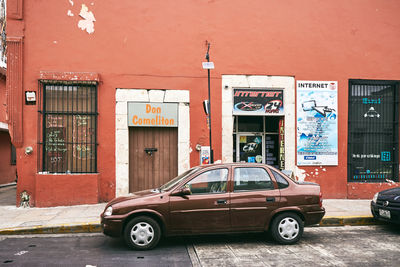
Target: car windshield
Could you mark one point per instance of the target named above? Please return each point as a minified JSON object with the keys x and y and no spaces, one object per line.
{"x":176,"y":180}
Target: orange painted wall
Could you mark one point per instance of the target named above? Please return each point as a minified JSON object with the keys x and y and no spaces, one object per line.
{"x":160,"y":45}
{"x":64,"y":190}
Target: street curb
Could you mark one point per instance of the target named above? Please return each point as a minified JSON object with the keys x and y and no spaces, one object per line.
{"x":96,"y":227}
{"x":57,"y":229}
{"x":349,"y":220}
{"x":7,"y":185}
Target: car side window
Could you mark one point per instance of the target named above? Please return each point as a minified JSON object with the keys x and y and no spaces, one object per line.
{"x":249,"y":179}
{"x":282,"y":183}
{"x":209,"y":182}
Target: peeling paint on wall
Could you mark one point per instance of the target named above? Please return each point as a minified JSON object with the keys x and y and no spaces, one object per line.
{"x":87,"y":23}
{"x":390,"y":182}
{"x":69,"y":13}
{"x":301,"y":174}
{"x":71,"y":2}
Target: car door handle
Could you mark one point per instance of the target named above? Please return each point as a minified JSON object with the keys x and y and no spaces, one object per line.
{"x":270,"y":199}
{"x":221,"y":201}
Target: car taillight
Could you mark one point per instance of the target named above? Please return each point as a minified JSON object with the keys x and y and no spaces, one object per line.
{"x":320,"y":199}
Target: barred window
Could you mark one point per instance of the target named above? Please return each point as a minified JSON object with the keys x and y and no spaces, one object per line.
{"x":69,"y":127}
{"x":373,"y":131}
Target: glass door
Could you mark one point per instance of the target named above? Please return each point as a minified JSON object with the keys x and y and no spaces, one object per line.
{"x":259,"y":139}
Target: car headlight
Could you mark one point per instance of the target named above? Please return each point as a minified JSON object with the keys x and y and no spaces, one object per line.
{"x":108,"y":211}
{"x":375,"y":198}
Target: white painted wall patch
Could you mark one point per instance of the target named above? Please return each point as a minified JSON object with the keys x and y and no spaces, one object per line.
{"x":301,"y":174}
{"x":87,"y":23}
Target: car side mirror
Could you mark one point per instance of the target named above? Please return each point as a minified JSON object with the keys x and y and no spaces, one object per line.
{"x":183,"y":192}
{"x":186,"y":191}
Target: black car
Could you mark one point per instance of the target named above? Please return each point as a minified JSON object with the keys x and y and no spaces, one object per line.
{"x":385,"y":205}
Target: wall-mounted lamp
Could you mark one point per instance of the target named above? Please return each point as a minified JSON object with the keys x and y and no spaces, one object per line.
{"x":28,"y":150}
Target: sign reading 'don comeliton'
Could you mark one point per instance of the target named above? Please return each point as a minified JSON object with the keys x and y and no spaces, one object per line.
{"x":152,"y":114}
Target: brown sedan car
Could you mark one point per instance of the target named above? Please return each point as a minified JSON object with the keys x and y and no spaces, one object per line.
{"x":219,"y":198}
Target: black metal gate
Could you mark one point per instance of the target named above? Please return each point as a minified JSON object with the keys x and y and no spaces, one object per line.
{"x":373,"y":131}
{"x":68,"y":133}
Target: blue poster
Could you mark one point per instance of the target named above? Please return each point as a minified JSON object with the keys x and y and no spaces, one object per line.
{"x":317,"y":128}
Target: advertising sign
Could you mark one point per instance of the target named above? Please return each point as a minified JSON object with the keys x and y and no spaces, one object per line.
{"x":152,"y":114}
{"x":205,"y":155}
{"x":373,"y":149}
{"x":258,"y":101}
{"x":317,"y":141}
{"x":282,"y":144}
{"x":250,"y":148}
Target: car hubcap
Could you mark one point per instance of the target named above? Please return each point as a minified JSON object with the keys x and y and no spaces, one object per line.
{"x":142,"y":234}
{"x":288,"y":228}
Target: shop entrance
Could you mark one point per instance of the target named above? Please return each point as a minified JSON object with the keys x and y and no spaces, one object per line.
{"x":153,"y":156}
{"x":259,"y":139}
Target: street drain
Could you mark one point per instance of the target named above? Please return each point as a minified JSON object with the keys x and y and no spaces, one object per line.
{"x":140,"y":257}
{"x":8,"y":261}
{"x":32,"y":246}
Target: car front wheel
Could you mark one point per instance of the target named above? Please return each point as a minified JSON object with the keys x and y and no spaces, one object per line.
{"x":142,"y":233}
{"x":287,"y":228}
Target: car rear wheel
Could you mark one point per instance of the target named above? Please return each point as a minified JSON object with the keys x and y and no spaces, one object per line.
{"x":142,"y":233}
{"x":287,"y":228}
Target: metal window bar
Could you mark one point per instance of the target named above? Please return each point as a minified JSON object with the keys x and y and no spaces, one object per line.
{"x":373,"y":131}
{"x":68,"y":123}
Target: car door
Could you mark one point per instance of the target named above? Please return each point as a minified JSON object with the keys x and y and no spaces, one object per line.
{"x":206,"y":209}
{"x":253,"y":199}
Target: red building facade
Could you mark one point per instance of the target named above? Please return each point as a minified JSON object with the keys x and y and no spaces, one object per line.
{"x":105,"y":98}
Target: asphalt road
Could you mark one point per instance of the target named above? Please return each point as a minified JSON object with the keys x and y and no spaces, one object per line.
{"x":320,"y":246}
{"x":87,"y":250}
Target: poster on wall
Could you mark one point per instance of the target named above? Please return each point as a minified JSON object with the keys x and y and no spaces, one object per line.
{"x":317,"y":128}
{"x":251,"y":148}
{"x":260,"y":101}
{"x":205,"y":155}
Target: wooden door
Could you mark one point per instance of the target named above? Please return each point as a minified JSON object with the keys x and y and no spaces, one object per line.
{"x":152,"y":168}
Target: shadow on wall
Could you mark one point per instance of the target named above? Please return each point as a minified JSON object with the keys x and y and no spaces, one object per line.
{"x":8,"y":164}
{"x":8,"y":195}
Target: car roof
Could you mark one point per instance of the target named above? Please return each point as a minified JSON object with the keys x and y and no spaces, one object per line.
{"x":241,"y":164}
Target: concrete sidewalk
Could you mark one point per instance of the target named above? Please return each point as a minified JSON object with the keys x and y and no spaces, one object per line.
{"x":341,"y":212}
{"x":71,"y":219}
{"x":85,"y":218}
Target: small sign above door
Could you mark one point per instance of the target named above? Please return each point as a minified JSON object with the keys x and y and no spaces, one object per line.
{"x":152,"y":114}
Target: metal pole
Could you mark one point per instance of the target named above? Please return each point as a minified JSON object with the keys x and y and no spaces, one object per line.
{"x":209,"y":108}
